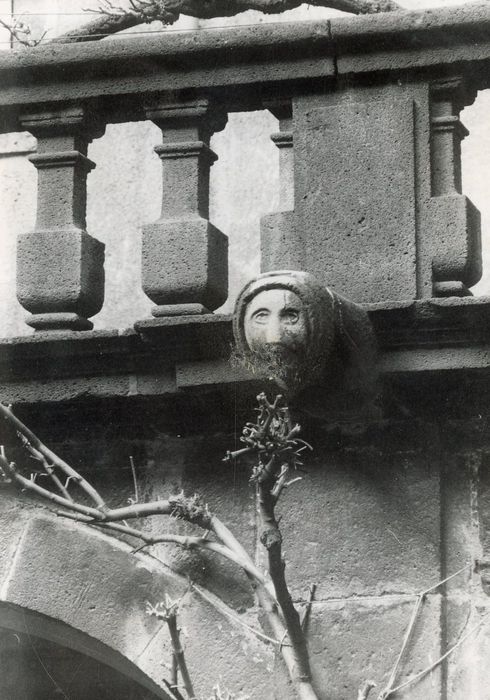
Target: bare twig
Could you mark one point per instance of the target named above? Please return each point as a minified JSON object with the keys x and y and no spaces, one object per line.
{"x":168,"y":612}
{"x":364,"y":692}
{"x":21,"y":32}
{"x":56,"y":461}
{"x":273,"y":439}
{"x":389,"y":688}
{"x":425,"y":671}
{"x":305,"y":613}
{"x":47,"y":466}
{"x":135,"y":481}
{"x":235,"y":618}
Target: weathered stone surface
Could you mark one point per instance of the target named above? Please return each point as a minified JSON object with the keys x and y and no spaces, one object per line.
{"x":185,"y":261}
{"x":94,"y":592}
{"x":53,"y":573}
{"x":60,"y":271}
{"x":363,"y":523}
{"x":363,"y":641}
{"x":281,"y":244}
{"x":409,"y":40}
{"x":355,"y":205}
{"x":457,"y":241}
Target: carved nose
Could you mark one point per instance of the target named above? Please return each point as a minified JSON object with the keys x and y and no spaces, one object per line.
{"x":273,"y":332}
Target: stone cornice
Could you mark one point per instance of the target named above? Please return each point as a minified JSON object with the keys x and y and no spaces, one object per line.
{"x":240,"y":64}
{"x":192,"y":354}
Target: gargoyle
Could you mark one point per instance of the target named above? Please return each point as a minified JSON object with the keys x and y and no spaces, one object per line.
{"x":316,"y":345}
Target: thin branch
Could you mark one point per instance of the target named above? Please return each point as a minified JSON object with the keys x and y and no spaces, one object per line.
{"x":436,"y":663}
{"x":188,"y":542}
{"x":306,"y":612}
{"x":30,"y":485}
{"x":48,"y":468}
{"x":21,"y":32}
{"x":135,"y":480}
{"x":389,"y":690}
{"x":365,"y":690}
{"x":235,"y":618}
{"x":168,"y":612}
{"x":56,"y":461}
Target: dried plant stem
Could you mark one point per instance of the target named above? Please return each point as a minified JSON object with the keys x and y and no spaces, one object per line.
{"x":271,"y":538}
{"x":436,"y":663}
{"x":363,"y":693}
{"x":189,"y":542}
{"x":53,"y":458}
{"x":178,"y":653}
{"x":21,"y":32}
{"x":389,"y":688}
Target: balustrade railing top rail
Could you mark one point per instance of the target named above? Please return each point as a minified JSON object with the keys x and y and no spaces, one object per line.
{"x":261,"y":55}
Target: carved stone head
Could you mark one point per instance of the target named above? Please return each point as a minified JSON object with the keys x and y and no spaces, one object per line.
{"x":284,"y":326}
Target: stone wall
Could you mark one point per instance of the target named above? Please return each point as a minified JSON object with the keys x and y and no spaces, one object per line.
{"x":384,"y":511}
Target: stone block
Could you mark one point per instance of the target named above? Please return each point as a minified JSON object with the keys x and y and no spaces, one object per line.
{"x":194,"y":464}
{"x":218,"y":649}
{"x":13,"y":521}
{"x":351,"y":641}
{"x":363,"y":524}
{"x":60,"y":271}
{"x":60,"y":573}
{"x":185,"y":261}
{"x":455,"y":232}
{"x":410,"y":40}
{"x":467,"y":673}
{"x":281,"y":244}
{"x":355,"y":204}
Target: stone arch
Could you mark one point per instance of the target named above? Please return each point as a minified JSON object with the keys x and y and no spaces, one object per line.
{"x":75,"y":586}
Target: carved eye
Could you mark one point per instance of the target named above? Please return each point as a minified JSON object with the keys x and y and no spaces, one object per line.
{"x":290,"y":316}
{"x":261,"y":316}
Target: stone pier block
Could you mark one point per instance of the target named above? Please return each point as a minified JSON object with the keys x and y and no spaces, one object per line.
{"x":185,"y":262}
{"x":60,"y":277}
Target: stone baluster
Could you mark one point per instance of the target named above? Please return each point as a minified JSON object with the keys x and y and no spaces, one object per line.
{"x":447,"y":132}
{"x":283,"y":139}
{"x":185,"y":258}
{"x":281,"y":246}
{"x":455,"y":228}
{"x":60,"y":268}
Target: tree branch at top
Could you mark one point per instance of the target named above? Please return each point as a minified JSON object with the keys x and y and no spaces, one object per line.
{"x":116,"y":18}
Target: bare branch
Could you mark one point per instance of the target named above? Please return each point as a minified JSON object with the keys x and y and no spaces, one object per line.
{"x":21,"y":32}
{"x":115,"y":19}
{"x":274,"y":440}
{"x":305,"y":614}
{"x":389,"y":688}
{"x":363,"y":693}
{"x":47,"y":466}
{"x":168,"y":612}
{"x":53,"y":458}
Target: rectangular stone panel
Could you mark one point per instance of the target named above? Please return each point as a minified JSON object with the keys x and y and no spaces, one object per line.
{"x":355,"y":193}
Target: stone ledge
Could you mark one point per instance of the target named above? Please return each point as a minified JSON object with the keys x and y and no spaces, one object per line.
{"x":182,"y":355}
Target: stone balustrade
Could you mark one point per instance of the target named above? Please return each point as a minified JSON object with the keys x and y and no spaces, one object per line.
{"x":369,"y":134}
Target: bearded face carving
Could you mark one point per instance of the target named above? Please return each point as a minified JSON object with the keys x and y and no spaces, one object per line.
{"x":276,"y":331}
{"x":292,"y":329}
